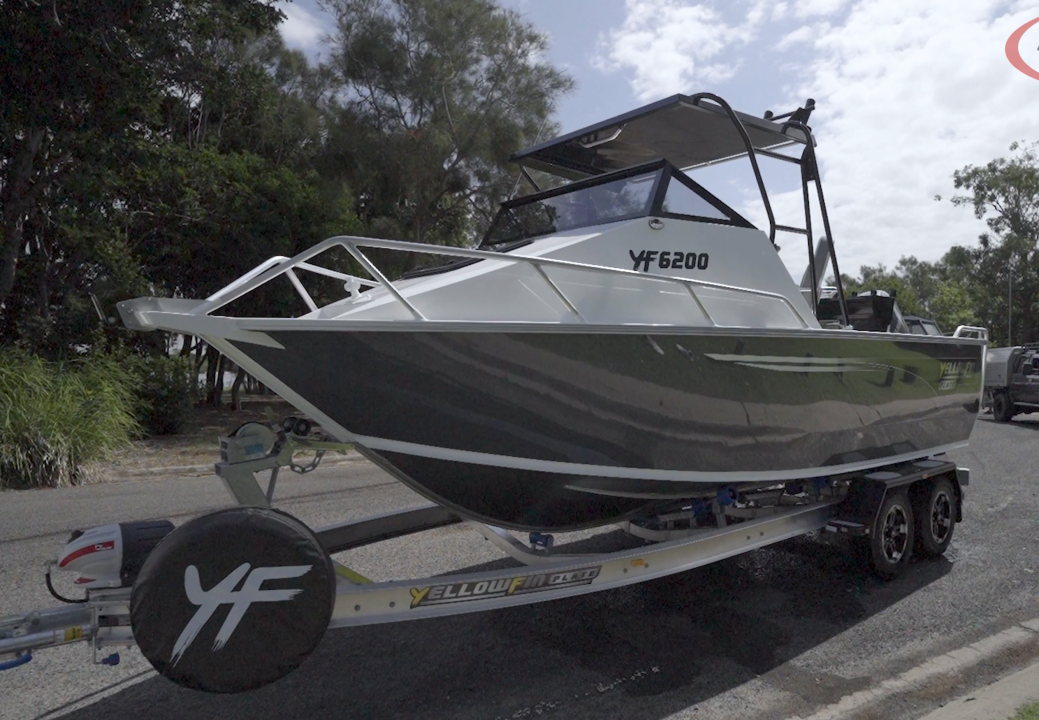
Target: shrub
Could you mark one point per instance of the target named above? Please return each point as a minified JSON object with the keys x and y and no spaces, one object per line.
{"x":55,"y":417}
{"x":166,"y":390}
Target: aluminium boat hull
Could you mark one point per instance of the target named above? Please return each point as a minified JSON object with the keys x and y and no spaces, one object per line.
{"x":554,"y":430}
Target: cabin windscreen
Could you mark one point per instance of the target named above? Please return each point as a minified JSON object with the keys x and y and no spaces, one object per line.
{"x":620,"y":199}
{"x":656,"y":189}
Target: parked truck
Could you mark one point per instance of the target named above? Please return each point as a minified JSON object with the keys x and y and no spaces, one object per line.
{"x":1012,"y":381}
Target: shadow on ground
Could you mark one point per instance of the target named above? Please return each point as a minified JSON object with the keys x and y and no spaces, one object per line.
{"x":1027,"y":420}
{"x":645,"y":651}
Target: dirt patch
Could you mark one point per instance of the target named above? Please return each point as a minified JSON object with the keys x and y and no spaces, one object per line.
{"x":196,"y":444}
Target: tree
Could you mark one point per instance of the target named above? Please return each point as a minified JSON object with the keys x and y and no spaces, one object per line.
{"x":72,"y":74}
{"x":167,"y":146}
{"x":437,"y":95}
{"x":937,"y":290}
{"x":1005,"y":194}
{"x":880,"y":278}
{"x":214,"y":216}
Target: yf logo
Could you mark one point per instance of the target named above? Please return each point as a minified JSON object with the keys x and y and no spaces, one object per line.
{"x":644,"y":258}
{"x":224,"y":593}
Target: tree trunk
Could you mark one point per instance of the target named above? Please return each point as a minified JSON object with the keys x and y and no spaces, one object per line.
{"x":213,"y":362}
{"x":15,"y":201}
{"x":238,"y":379}
{"x":200,"y":356}
{"x":43,"y":295}
{"x":218,"y":391}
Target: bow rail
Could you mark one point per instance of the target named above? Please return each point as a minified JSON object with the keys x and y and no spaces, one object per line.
{"x":277,"y":266}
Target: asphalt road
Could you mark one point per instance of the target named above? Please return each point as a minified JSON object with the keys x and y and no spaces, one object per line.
{"x":773,"y":633}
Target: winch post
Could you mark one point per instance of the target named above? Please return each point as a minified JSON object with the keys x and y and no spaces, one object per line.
{"x":240,"y":477}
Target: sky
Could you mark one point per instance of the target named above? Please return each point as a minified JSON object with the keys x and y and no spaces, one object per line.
{"x":906,"y":91}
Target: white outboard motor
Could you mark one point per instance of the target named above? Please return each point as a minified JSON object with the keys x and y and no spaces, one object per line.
{"x":110,"y":556}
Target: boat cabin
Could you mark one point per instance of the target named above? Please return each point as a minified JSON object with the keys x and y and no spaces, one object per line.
{"x":635,"y":165}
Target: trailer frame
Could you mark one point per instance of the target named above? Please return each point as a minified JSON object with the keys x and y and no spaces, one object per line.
{"x":847,"y":505}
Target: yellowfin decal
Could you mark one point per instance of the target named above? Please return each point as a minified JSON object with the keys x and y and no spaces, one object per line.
{"x":504,"y":587}
{"x":953,"y":372}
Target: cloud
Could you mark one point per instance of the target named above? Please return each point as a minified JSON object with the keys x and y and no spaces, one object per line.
{"x":808,"y":8}
{"x":908,"y":91}
{"x":667,"y":45}
{"x":300,"y":29}
{"x":803,"y":34}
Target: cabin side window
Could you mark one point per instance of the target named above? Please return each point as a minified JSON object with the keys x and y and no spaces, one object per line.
{"x":657,"y":188}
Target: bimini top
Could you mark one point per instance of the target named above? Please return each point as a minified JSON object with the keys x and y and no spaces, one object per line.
{"x":689,"y":130}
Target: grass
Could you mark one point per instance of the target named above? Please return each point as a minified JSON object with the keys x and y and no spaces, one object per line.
{"x":196,"y":442}
{"x":62,"y":424}
{"x":55,"y":418}
{"x":1028,"y":712}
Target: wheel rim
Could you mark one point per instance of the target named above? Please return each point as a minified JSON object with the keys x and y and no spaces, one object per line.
{"x":895,"y":534}
{"x":941,"y":516}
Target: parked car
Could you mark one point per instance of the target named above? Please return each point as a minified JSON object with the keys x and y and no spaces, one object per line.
{"x":1012,"y":381}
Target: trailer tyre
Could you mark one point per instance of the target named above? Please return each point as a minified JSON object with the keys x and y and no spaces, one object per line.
{"x":936,"y":518}
{"x":891,"y":541}
{"x":1002,"y":410}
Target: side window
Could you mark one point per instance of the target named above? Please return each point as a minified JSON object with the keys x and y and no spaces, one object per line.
{"x":681,"y":200}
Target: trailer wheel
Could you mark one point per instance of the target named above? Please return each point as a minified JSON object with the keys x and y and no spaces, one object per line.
{"x":891,"y":542}
{"x":936,"y":518}
{"x":1002,"y":410}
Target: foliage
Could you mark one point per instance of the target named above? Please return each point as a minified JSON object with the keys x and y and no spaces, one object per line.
{"x":930,"y":290}
{"x":56,"y":417}
{"x":978,"y":285}
{"x":200,"y":218}
{"x":164,"y":147}
{"x":80,"y":76}
{"x":880,"y":278}
{"x":1002,"y":272}
{"x":166,"y":390}
{"x":438,"y":94}
{"x":1027,"y":712}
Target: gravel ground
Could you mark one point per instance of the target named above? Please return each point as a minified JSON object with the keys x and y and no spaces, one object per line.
{"x":773,"y":633}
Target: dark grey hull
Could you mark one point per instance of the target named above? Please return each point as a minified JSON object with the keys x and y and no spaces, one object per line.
{"x":554,"y":430}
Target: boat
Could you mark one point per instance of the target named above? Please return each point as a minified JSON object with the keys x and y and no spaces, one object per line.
{"x":620,"y":341}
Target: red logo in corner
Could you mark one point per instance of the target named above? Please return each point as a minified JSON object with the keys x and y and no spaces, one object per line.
{"x":1013,"y":50}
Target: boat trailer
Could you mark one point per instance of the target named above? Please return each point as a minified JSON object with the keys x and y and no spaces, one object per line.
{"x":274,"y":589}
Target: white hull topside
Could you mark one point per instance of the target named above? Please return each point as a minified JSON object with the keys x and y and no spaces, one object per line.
{"x":504,"y":291}
{"x":618,"y":275}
